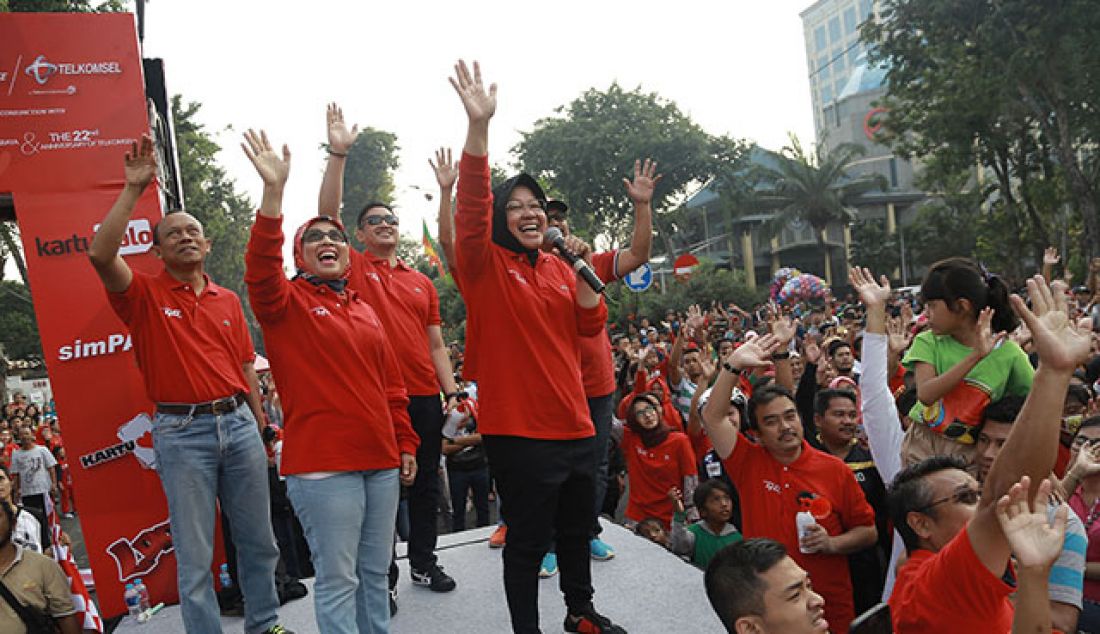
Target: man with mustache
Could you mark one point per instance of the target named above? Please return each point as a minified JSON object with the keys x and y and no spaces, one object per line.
{"x":784,"y":475}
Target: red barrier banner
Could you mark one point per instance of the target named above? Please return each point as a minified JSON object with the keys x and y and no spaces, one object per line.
{"x":72,"y":100}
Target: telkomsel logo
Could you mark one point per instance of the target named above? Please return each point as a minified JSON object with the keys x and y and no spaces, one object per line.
{"x":137,"y":239}
{"x":41,"y":69}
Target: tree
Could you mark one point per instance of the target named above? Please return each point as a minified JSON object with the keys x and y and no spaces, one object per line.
{"x":816,"y":188}
{"x":18,"y":326}
{"x":60,"y":6}
{"x":873,"y":247}
{"x":1008,"y":85}
{"x":587,"y":150}
{"x":211,"y":197}
{"x":368,"y":174}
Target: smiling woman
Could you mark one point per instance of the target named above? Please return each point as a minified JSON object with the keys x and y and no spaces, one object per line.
{"x":347,"y":440}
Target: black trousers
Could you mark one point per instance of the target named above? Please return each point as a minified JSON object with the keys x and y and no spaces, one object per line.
{"x":547,"y":492}
{"x":426,"y":413}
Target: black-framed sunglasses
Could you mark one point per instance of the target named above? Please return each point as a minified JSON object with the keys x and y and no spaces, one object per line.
{"x":963,"y":496}
{"x":376,"y":220}
{"x":316,"y":235}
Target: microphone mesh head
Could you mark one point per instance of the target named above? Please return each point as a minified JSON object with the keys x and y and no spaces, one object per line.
{"x":552,"y":235}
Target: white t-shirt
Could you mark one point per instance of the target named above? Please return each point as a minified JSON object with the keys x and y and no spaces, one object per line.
{"x":32,"y":466}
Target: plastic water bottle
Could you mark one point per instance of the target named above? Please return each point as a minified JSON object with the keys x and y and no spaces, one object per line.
{"x":223,"y":577}
{"x":133,"y":600}
{"x":143,"y":594}
{"x":803,"y":520}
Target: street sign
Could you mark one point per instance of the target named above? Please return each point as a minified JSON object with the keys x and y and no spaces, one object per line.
{"x":640,"y":279}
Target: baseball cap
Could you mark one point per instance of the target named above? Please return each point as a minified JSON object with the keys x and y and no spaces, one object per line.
{"x":558,"y":206}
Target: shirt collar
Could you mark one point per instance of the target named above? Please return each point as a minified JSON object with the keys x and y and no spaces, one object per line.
{"x":373,"y":259}
{"x":18,"y":558}
{"x":171,"y":282}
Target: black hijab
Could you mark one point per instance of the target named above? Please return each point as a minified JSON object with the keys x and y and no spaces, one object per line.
{"x":501,"y":235}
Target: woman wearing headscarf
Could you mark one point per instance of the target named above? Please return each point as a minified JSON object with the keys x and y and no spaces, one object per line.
{"x":525,"y":313}
{"x":347,"y":436}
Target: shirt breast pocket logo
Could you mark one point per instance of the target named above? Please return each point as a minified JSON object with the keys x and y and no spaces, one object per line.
{"x":518,"y":276}
{"x":319,"y":311}
{"x":174,"y":313}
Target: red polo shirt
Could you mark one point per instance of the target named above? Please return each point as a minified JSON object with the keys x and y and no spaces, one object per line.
{"x":596,"y":363}
{"x":190,"y":348}
{"x":406,"y":301}
{"x":769,"y":502}
{"x":653,"y":471}
{"x":344,"y":403}
{"x":523,"y":325}
{"x":950,"y":592}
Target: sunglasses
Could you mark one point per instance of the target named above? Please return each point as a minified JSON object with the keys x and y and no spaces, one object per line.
{"x":963,"y":496}
{"x":376,"y":220}
{"x":316,"y":235}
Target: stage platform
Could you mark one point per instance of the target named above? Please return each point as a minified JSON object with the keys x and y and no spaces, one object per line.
{"x":644,"y":588}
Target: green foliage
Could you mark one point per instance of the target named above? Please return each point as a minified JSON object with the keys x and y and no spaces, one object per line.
{"x":706,"y":284}
{"x":1009,"y":86}
{"x":814,"y":187}
{"x":452,"y":309}
{"x":588,"y":149}
{"x":18,"y":327}
{"x":368,"y":175}
{"x":61,"y":6}
{"x":873,"y":247}
{"x":211,"y":196}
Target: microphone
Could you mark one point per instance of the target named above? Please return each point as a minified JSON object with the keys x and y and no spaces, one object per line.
{"x":554,"y":237}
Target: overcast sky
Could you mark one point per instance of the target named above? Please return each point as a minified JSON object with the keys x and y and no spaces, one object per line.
{"x":735,"y":67}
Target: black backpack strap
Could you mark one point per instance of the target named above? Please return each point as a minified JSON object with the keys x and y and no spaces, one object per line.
{"x":25,"y":615}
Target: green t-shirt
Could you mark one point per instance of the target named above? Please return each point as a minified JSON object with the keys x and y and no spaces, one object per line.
{"x":1005,"y":370}
{"x":707,"y":544}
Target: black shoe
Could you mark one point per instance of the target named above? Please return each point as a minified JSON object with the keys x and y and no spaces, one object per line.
{"x":591,"y":622}
{"x":434,"y":578}
{"x":393,"y":602}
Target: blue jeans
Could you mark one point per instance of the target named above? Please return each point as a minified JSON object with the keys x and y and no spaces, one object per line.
{"x":200,"y":460}
{"x":348,"y":519}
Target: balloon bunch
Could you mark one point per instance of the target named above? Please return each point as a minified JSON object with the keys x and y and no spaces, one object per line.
{"x":803,"y":288}
{"x":780,"y":280}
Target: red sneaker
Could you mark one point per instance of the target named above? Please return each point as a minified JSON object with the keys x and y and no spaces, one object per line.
{"x":496,"y":540}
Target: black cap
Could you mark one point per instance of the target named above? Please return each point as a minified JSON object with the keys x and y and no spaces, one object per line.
{"x":557,"y":205}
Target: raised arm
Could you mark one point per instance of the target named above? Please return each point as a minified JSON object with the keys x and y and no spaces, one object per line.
{"x":267,"y":285}
{"x":1031,"y":446}
{"x":140,"y":169}
{"x":640,"y":191}
{"x":480,"y":105}
{"x":340,"y":140}
{"x":1036,"y":544}
{"x":474,"y":202}
{"x":880,"y":414}
{"x":446,"y":173}
{"x":1050,"y":260}
{"x":784,"y":331}
{"x":722,"y":433}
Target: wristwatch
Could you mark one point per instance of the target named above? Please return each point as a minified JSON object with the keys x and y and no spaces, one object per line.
{"x":729,"y":368}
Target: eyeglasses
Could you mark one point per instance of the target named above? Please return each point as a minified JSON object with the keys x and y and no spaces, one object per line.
{"x":645,"y":411}
{"x":534,"y":205}
{"x":964,"y":496}
{"x":316,"y":235}
{"x":376,"y":220}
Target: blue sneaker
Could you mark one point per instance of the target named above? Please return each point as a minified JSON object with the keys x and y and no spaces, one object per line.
{"x":599,"y":549}
{"x":549,"y":566}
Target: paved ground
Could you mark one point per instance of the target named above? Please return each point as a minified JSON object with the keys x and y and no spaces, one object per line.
{"x":645,"y":589}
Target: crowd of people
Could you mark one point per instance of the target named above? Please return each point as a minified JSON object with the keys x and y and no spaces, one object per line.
{"x":931,"y":456}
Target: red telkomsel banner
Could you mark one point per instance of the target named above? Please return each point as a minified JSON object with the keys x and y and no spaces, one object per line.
{"x":72,"y":100}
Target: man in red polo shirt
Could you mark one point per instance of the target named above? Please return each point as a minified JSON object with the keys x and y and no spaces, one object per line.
{"x":597,"y":368}
{"x":195,"y":353}
{"x":408,"y":305}
{"x":784,"y":475}
{"x":953,"y":580}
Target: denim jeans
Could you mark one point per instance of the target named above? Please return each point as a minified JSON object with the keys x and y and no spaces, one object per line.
{"x":205,"y":458}
{"x":348,"y":518}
